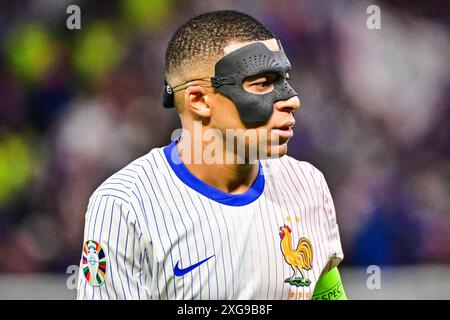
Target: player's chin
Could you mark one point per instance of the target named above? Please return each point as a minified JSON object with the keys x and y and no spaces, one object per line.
{"x":277,"y":151}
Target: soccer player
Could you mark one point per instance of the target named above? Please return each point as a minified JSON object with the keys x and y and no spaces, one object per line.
{"x":221,"y":212}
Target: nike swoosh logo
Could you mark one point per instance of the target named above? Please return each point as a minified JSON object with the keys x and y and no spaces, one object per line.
{"x":181,"y":272}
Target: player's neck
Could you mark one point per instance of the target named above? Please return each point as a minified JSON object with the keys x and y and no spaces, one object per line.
{"x":233,"y":178}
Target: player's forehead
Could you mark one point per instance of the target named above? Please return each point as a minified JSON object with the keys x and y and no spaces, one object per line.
{"x":271,"y":44}
{"x":198,"y":70}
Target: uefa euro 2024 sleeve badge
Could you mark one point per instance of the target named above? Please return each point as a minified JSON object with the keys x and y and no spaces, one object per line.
{"x":94,"y":263}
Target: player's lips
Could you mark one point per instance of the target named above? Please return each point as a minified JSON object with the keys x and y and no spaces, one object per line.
{"x":286,"y":130}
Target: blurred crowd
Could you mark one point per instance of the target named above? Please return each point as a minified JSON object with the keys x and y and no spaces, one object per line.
{"x":77,"y":105}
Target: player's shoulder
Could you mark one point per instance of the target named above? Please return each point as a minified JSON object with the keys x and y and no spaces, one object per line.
{"x":125,"y":183}
{"x":288,"y":165}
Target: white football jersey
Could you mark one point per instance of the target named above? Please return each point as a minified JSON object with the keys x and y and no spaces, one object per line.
{"x":155,"y":231}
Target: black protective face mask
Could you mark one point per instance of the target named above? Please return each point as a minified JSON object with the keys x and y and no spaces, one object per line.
{"x":231,"y":71}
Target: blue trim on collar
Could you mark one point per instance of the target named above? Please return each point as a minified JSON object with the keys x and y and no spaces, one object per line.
{"x":237,"y":200}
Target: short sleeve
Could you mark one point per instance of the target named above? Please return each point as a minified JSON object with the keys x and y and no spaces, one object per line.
{"x":334,"y":245}
{"x":114,"y":261}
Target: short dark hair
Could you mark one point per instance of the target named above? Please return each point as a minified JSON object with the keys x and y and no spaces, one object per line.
{"x":205,"y":36}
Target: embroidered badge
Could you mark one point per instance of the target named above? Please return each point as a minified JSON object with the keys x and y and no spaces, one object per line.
{"x":299,"y":259}
{"x":94,"y":263}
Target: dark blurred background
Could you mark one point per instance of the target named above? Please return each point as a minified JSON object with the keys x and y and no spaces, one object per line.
{"x":77,"y":105}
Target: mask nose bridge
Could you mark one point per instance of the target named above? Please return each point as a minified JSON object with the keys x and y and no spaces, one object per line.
{"x":284,"y":90}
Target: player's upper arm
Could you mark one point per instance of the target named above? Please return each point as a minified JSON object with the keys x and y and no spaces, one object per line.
{"x":330,"y":225}
{"x":114,"y":259}
{"x":329,"y":286}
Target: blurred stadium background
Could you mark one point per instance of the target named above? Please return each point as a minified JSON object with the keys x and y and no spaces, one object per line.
{"x":77,"y":105}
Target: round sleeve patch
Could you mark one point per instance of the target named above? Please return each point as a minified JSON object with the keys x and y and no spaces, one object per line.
{"x":94,"y":263}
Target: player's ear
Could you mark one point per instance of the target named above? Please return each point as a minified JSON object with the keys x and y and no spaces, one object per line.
{"x":195,"y":98}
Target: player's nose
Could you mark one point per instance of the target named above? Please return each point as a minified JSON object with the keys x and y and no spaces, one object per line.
{"x":289,"y":105}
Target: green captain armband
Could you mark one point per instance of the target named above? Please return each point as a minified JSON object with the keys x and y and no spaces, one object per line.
{"x":329,"y":287}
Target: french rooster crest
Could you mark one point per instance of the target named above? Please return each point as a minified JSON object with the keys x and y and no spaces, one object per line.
{"x":299,"y":259}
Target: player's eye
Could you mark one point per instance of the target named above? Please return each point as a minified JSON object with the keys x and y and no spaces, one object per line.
{"x":260,"y":84}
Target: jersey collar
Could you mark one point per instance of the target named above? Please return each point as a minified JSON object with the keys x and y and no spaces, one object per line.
{"x":237,"y":200}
